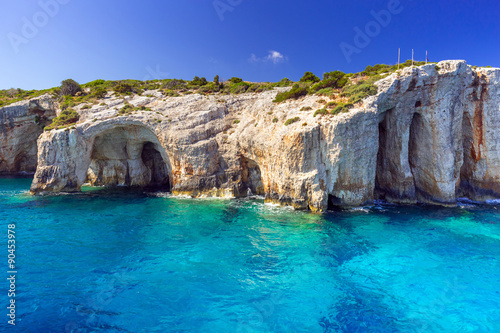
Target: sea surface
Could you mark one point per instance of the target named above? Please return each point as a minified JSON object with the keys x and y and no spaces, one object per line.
{"x":127,"y":261}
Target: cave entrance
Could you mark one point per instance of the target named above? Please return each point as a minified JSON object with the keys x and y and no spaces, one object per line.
{"x":251,"y":178}
{"x":383,"y":172}
{"x":129,"y":156}
{"x":156,"y":166}
{"x":416,"y":137}
{"x":21,"y":162}
{"x":400,"y":153}
{"x":334,"y":203}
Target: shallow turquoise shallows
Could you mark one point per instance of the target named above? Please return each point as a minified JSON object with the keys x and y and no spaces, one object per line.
{"x":123,"y":261}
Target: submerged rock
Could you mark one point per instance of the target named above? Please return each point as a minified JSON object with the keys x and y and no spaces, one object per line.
{"x":429,"y":135}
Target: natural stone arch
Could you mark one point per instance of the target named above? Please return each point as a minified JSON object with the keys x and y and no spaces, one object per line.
{"x":128,"y":155}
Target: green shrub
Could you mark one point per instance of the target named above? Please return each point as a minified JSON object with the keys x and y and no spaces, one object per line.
{"x":85,"y":107}
{"x":296,"y":92}
{"x":174,"y":84}
{"x":309,"y":77}
{"x":236,"y":121}
{"x":94,"y":83}
{"x":209,"y":88}
{"x":70,"y":87}
{"x":260,"y":87}
{"x":306,"y":108}
{"x":359,"y":91}
{"x":56,"y":92}
{"x":198,"y":81}
{"x":334,"y":80}
{"x":304,"y":124}
{"x":170,"y":93}
{"x":99,"y":92}
{"x":240,"y":88}
{"x":341,"y":107}
{"x":67,"y":117}
{"x":330,"y":105}
{"x":291,"y":121}
{"x":335,"y":75}
{"x":275,"y":120}
{"x":67,"y":102}
{"x":235,"y":80}
{"x":325,"y":92}
{"x":285,"y":82}
{"x":126,"y":109}
{"x":123,"y":88}
{"x":322,"y":112}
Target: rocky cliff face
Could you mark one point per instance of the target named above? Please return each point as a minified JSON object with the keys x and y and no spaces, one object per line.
{"x":430,"y":135}
{"x":20,"y":126}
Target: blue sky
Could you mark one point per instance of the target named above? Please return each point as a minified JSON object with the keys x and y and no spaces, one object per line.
{"x":44,"y":42}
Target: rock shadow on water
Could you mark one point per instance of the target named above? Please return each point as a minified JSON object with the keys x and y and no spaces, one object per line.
{"x":341,"y":243}
{"x":360,"y":311}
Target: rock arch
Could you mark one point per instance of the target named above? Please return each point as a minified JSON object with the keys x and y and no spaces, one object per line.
{"x":128,"y":155}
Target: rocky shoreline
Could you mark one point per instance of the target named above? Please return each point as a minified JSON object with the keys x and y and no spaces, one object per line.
{"x":430,"y":135}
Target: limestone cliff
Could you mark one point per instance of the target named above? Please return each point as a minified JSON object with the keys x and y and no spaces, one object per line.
{"x":429,"y":135}
{"x":21,"y":124}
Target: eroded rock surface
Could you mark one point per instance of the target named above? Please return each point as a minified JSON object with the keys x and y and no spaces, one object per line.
{"x":430,"y":135}
{"x":20,"y":126}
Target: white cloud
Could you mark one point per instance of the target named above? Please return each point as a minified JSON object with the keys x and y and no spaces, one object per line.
{"x":273,"y":56}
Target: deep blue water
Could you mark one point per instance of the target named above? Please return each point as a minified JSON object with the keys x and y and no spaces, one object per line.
{"x":131,"y":262}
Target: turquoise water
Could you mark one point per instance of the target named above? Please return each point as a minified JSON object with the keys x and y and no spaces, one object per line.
{"x":124,"y":261}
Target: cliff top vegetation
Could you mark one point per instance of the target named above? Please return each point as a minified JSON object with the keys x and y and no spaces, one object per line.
{"x":350,"y":87}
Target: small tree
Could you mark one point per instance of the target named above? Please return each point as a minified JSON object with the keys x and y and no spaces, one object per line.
{"x":70,"y":87}
{"x":285,"y":82}
{"x":333,"y":75}
{"x":199,"y":81}
{"x":216,"y":79}
{"x":235,"y":80}
{"x":309,"y":77}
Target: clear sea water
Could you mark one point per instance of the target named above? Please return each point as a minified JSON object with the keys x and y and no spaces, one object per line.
{"x":126,"y":261}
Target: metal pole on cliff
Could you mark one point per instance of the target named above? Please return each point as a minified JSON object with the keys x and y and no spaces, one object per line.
{"x":426,"y":57}
{"x":411,"y":57}
{"x":399,"y":56}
